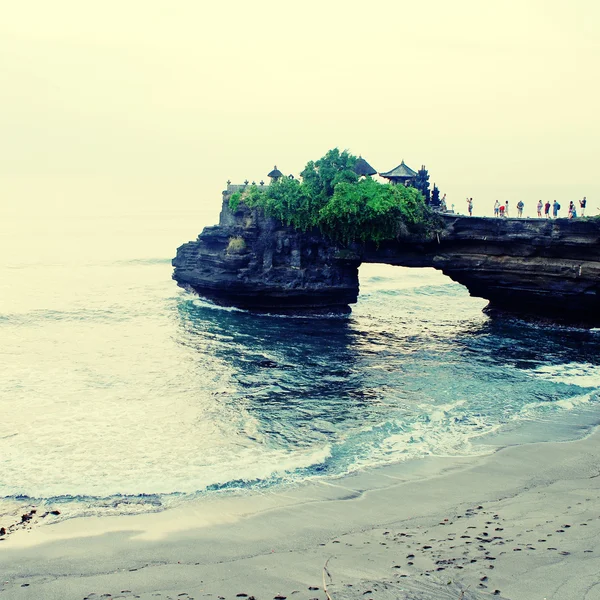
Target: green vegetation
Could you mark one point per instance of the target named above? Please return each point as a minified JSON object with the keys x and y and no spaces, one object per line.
{"x":236,"y":245}
{"x":346,"y":209}
{"x":435,"y":196}
{"x":422,"y":183}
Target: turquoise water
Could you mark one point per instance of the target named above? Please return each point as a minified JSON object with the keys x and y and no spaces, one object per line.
{"x":121,"y":392}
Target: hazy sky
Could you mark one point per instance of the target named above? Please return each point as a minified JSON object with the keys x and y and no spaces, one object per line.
{"x":156,"y":103}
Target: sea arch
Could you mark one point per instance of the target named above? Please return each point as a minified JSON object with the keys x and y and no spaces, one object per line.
{"x":541,"y":267}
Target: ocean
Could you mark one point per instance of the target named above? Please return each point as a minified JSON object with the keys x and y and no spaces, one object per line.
{"x":122,"y":393}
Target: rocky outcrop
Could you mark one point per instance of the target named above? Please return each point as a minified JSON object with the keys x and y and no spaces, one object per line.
{"x":537,"y":267}
{"x":276,"y":269}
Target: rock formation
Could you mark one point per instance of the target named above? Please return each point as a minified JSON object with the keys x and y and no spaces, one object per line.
{"x":277,"y":269}
{"x":538,"y":267}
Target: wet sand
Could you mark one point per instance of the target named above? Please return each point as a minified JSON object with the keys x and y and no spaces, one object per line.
{"x":521,"y":523}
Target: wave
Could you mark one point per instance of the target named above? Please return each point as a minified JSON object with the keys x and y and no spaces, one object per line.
{"x":43,"y":316}
{"x":447,"y":430}
{"x":449,"y":290}
{"x":201,"y":302}
{"x":291,"y":469}
{"x":141,"y":261}
{"x":72,"y":262}
{"x":582,"y":375}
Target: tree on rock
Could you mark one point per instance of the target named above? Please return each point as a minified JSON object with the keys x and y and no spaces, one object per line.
{"x":435,"y":197}
{"x":422,"y":183}
{"x":347,"y":209}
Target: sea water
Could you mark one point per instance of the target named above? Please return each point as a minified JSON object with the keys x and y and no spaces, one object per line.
{"x":120,"y":392}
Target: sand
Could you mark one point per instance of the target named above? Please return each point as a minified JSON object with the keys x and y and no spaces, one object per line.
{"x":521,"y":523}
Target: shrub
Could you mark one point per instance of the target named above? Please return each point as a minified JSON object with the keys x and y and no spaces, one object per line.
{"x":346,"y":209}
{"x":234,"y":201}
{"x":236,"y":245}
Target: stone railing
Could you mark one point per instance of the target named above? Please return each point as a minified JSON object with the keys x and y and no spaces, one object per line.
{"x":240,"y":187}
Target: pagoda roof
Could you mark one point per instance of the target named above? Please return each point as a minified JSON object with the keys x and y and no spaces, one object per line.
{"x":401,"y":172}
{"x":275,"y":173}
{"x":362,"y":167}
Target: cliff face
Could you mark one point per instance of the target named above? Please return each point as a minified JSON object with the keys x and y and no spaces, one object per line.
{"x":548,"y":268}
{"x":538,"y":267}
{"x":278,"y":269}
{"x":544,"y":268}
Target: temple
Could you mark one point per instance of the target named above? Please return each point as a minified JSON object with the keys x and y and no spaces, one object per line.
{"x":401,"y":175}
{"x":363,"y":169}
{"x":275,"y":174}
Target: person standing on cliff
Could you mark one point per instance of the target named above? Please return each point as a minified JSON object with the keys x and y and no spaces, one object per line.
{"x":520,"y":207}
{"x":540,"y":205}
{"x":547,"y":209}
{"x":555,"y":209}
{"x":506,"y":209}
{"x":470,"y":206}
{"x":582,"y":204}
{"x":496,"y":208}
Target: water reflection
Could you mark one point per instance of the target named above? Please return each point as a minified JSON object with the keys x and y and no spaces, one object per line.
{"x":507,"y":341}
{"x":300,"y":378}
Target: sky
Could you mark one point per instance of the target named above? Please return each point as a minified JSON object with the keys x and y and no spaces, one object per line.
{"x":154,"y":104}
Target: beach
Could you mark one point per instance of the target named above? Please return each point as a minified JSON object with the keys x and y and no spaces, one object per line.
{"x":218,"y":382}
{"x":522,"y":522}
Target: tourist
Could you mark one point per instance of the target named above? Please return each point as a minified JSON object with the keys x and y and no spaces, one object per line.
{"x":570,"y":212}
{"x":501,"y":210}
{"x":582,"y":204}
{"x":547,"y":209}
{"x":555,"y":209}
{"x":496,"y":208}
{"x":520,"y":207}
{"x":540,"y":205}
{"x":470,"y":206}
{"x":506,"y":209}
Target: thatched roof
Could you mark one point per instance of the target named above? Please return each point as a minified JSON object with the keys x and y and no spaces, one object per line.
{"x":362,"y":167}
{"x":275,"y":173}
{"x":400,"y":172}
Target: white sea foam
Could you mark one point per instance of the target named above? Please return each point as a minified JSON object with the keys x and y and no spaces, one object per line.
{"x":206,"y":303}
{"x":537,"y":410}
{"x":583,"y":375}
